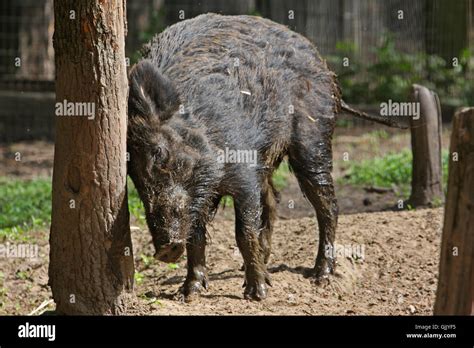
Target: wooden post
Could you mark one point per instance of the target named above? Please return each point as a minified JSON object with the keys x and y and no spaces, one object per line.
{"x":427,"y":174}
{"x":456,"y":272}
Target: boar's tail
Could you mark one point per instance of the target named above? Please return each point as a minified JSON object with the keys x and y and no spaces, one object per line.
{"x":375,"y":118}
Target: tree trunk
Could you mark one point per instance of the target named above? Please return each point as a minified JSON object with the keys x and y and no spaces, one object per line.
{"x":455,"y":294}
{"x":91,"y":261}
{"x":35,"y":40}
{"x":426,"y":146}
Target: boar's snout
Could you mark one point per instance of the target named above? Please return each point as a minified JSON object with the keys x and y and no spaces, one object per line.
{"x":170,"y":252}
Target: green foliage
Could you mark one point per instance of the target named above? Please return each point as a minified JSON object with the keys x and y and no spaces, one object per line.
{"x":393,"y":73}
{"x":353,"y":85}
{"x":23,"y":275}
{"x":254,"y":12}
{"x":156,"y":25}
{"x":392,"y":169}
{"x":147,"y":260}
{"x":344,"y":123}
{"x":135,"y":205}
{"x":281,"y":175}
{"x":378,"y":134}
{"x":24,"y":205}
{"x":227,"y":201}
{"x":173,"y":266}
{"x":138,"y":277}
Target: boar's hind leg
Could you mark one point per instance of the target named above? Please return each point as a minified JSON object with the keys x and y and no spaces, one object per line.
{"x":268,"y":216}
{"x":196,"y":279}
{"x":311,"y":160}
{"x":248,"y":213}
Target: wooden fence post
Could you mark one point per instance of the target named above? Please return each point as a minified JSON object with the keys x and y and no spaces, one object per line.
{"x":455,"y":293}
{"x":426,"y":185}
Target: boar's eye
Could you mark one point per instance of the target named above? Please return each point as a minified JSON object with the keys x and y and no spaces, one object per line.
{"x":160,"y":155}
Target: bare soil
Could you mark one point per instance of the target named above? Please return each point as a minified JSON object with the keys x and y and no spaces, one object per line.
{"x":397,"y":274}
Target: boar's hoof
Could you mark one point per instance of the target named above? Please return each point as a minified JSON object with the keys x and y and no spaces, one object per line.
{"x":320,"y":274}
{"x":268,"y":280}
{"x":192,"y":289}
{"x":256,"y":290}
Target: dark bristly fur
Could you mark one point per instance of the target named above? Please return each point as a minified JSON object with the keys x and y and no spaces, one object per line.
{"x":237,"y":82}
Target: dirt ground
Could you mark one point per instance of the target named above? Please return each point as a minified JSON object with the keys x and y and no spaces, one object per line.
{"x":394,"y":272}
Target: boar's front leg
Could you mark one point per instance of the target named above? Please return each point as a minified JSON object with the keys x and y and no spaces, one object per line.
{"x":196,"y":279}
{"x":248,"y":214}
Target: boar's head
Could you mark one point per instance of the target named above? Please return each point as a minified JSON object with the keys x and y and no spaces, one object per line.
{"x":160,"y":166}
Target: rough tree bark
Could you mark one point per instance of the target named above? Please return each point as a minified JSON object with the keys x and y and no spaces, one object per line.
{"x":91,"y":262}
{"x":455,"y":293}
{"x":426,"y":184}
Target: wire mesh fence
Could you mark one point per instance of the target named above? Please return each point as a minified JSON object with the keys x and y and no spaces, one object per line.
{"x":440,"y":27}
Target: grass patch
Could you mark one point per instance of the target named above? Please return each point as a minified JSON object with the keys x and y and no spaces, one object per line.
{"x":281,"y":175}
{"x":392,"y":169}
{"x":135,"y":205}
{"x":344,"y":123}
{"x":379,"y":134}
{"x":24,"y":205}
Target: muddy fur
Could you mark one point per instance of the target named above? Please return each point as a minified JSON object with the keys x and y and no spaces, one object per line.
{"x":236,"y":82}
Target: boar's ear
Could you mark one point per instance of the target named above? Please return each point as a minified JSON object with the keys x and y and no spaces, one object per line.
{"x":151,"y":94}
